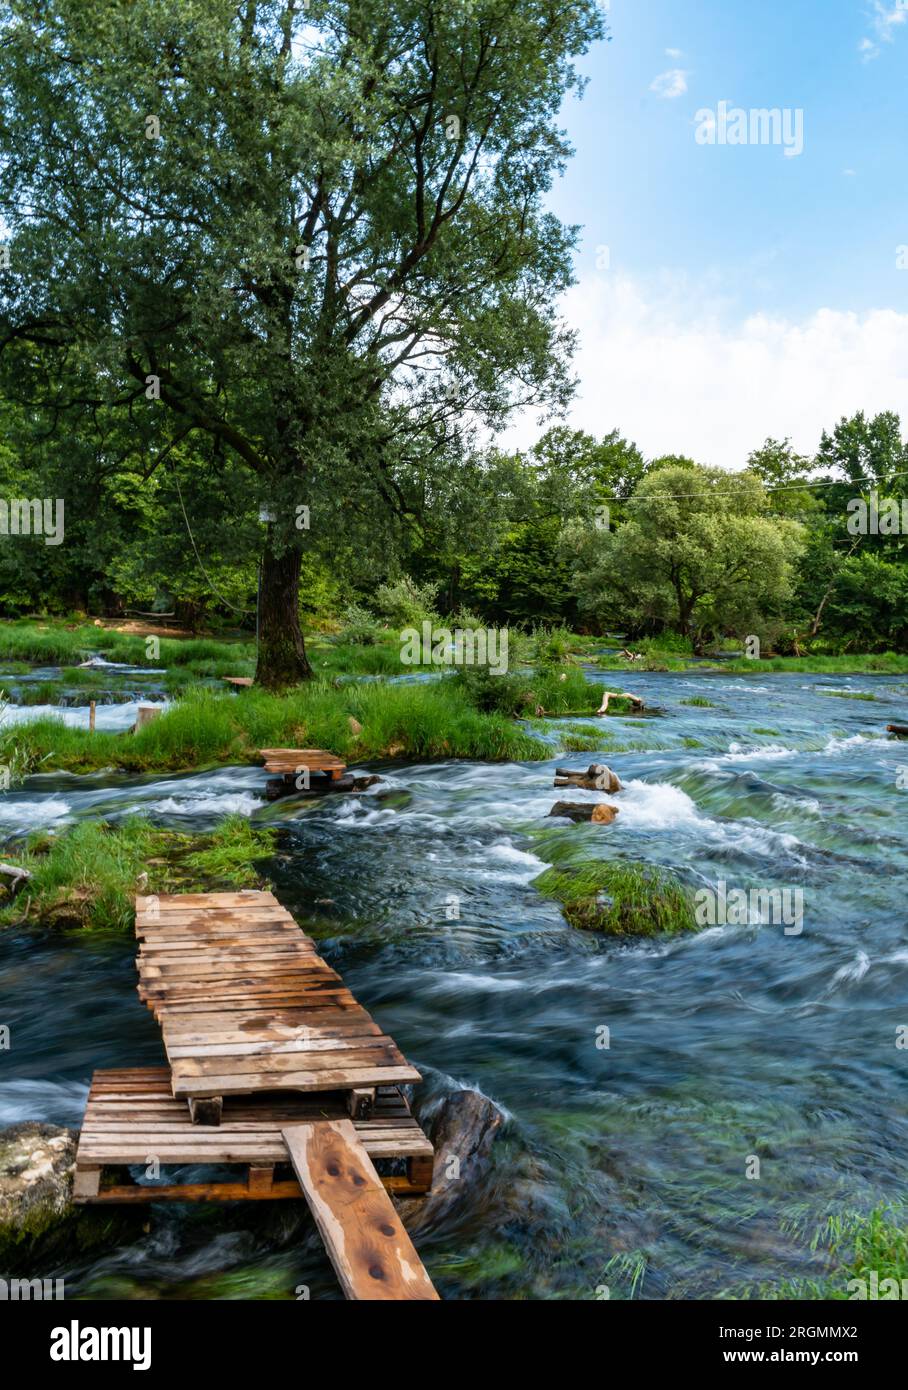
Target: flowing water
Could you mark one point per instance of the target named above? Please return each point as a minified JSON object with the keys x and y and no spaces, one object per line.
{"x":625,"y":1165}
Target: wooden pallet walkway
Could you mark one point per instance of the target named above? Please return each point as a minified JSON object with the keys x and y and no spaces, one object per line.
{"x":132,"y":1119}
{"x":289,"y":761}
{"x":246,"y":1004}
{"x":304,"y":769}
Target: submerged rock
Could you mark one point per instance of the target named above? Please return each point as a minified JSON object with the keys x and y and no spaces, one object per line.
{"x":39,"y":1225}
{"x":463,"y":1130}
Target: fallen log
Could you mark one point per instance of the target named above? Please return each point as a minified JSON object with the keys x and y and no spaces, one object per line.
{"x":596,"y":812}
{"x":619,"y":695}
{"x":597,"y":778}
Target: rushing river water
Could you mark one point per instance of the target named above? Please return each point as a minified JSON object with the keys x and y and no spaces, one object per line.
{"x":623,"y":1166}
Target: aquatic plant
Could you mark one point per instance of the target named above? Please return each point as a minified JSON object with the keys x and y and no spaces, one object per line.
{"x":619,"y":898}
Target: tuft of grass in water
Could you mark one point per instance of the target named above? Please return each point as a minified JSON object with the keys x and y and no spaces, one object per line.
{"x":767,"y":733}
{"x":619,"y":898}
{"x":858,"y":1245}
{"x":86,"y":877}
{"x":849,"y":694}
{"x":580,"y":743}
{"x":231,"y":853}
{"x":700,"y":701}
{"x":691,"y":743}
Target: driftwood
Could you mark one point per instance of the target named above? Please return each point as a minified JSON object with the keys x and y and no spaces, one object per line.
{"x":596,"y":812}
{"x":19,"y":876}
{"x":621,"y":695}
{"x":597,"y":778}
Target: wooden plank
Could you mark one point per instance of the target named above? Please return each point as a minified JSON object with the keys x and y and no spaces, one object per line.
{"x":178,"y":902}
{"x":372,"y":1254}
{"x":225,"y":1192}
{"x":358,"y":1052}
{"x":344,"y":1078}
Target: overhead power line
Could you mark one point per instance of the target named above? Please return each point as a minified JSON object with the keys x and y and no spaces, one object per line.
{"x":778,"y":487}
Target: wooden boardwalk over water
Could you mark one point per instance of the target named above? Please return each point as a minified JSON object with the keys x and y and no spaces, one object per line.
{"x":274,"y":1068}
{"x":246,"y":1004}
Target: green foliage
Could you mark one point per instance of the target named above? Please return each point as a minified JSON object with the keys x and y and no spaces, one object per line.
{"x":231,"y":853}
{"x":406,"y":603}
{"x":866,"y":1246}
{"x":85,"y":876}
{"x":433,"y":719}
{"x":359,"y":627}
{"x":698,"y":554}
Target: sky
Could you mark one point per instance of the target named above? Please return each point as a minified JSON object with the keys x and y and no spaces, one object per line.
{"x":727,"y":292}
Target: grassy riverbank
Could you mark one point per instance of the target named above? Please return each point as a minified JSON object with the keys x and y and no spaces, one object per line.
{"x":86,"y":876}
{"x":446,"y":718}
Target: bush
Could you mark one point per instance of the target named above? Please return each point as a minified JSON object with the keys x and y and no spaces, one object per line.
{"x":406,"y":603}
{"x":359,"y":627}
{"x":552,"y":645}
{"x":490,"y":693}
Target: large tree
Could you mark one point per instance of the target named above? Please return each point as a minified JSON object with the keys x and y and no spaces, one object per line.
{"x":698,"y":554}
{"x":312,"y":232}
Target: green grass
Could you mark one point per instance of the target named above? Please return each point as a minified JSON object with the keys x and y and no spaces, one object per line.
{"x":53,"y":643}
{"x":619,"y":898}
{"x":849,"y":694}
{"x":856,"y":1245}
{"x":700,"y":701}
{"x":86,"y":876}
{"x":231,"y":853}
{"x":431,"y":720}
{"x":886,"y":663}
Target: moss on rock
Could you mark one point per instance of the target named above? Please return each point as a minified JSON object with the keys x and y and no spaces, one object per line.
{"x":39,"y":1225}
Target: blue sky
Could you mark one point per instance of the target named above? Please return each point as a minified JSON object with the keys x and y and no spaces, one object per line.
{"x":747,"y":292}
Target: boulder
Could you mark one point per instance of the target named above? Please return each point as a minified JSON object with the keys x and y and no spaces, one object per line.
{"x":39,"y":1226}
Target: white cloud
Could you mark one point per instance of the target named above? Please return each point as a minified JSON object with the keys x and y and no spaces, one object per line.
{"x":670,"y":84}
{"x":663,"y":364}
{"x":884,"y":20}
{"x":673,"y":53}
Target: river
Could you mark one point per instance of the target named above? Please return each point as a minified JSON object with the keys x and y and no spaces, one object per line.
{"x":623,"y":1166}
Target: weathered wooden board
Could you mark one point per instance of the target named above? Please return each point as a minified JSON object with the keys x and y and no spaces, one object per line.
{"x":372,"y":1254}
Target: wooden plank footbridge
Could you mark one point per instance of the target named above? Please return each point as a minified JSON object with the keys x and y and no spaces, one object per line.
{"x":294,"y":768}
{"x":274,"y":1070}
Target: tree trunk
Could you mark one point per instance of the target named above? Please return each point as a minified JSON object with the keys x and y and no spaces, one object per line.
{"x":282,"y":659}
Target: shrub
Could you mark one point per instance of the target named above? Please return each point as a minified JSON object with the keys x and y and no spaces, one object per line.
{"x":406,"y":603}
{"x":359,"y":627}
